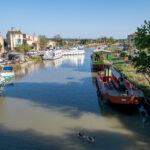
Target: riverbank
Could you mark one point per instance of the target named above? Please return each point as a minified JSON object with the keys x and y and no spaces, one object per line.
{"x":91,"y":45}
{"x":138,"y":79}
{"x":32,"y":60}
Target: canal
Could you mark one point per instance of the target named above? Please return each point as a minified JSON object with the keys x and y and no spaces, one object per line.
{"x":50,"y":102}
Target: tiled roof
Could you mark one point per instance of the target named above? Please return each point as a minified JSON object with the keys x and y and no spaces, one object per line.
{"x":15,"y":32}
{"x":133,"y":34}
{"x":27,"y":39}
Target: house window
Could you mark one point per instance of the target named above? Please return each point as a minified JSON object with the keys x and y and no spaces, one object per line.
{"x":19,"y":41}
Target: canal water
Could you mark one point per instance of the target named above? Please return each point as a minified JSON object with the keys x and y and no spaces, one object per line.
{"x":50,"y":102}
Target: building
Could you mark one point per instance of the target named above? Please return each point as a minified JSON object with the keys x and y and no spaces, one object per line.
{"x":51,"y":44}
{"x":1,"y":45}
{"x":14,"y":38}
{"x":32,"y":41}
{"x":131,"y":38}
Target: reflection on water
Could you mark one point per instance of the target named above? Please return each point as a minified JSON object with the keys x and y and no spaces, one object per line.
{"x":52,"y":63}
{"x":75,"y":60}
{"x":52,"y":101}
{"x":20,"y":73}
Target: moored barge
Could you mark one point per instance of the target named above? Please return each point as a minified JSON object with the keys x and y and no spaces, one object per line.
{"x":116,"y":88}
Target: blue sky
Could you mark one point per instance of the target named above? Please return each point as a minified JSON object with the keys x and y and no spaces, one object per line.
{"x":74,"y":18}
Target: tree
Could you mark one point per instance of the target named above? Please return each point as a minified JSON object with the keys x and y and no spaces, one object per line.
{"x":0,"y":47}
{"x":143,"y":36}
{"x":57,"y":38}
{"x":142,"y":64}
{"x":123,"y":54}
{"x":63,"y":42}
{"x":132,"y":49}
{"x":85,"y":41}
{"x":111,"y":40}
{"x":23,"y":48}
{"x":142,"y":41}
{"x":59,"y":41}
{"x":43,"y":41}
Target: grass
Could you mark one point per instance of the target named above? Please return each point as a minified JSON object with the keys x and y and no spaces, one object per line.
{"x":137,"y":78}
{"x":36,"y":59}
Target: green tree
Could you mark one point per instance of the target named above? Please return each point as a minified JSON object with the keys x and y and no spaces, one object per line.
{"x":142,"y":64}
{"x":85,"y":41}
{"x":142,"y":41}
{"x":43,"y":41}
{"x":111,"y":40}
{"x":63,"y":42}
{"x":132,"y":48}
{"x":23,"y":48}
{"x":0,"y":47}
{"x":123,"y":54}
{"x":143,"y":36}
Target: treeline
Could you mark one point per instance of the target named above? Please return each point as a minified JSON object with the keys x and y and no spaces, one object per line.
{"x":106,"y":40}
{"x":61,"y":42}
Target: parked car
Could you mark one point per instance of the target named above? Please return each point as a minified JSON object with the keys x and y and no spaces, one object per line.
{"x":15,"y":55}
{"x":2,"y":60}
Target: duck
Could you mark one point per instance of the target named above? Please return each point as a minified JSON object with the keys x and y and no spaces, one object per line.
{"x":81,"y":135}
{"x":143,"y":111}
{"x":90,"y":139}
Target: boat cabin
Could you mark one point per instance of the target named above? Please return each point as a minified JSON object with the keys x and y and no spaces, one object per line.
{"x":102,"y":57}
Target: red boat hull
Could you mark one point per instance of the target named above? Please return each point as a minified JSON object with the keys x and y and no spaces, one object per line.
{"x":124,"y":99}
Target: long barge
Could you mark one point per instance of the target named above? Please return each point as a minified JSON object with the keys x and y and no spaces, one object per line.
{"x":117,"y":89}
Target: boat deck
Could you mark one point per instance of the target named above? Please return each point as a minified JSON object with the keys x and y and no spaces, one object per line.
{"x":110,"y":89}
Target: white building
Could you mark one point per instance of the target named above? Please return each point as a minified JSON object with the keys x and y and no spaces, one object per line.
{"x":51,"y":44}
{"x":32,"y":41}
{"x":1,"y":44}
{"x":14,"y":38}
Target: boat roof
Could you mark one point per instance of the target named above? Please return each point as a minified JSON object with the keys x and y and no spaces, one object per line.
{"x":8,"y":68}
{"x":115,"y":72}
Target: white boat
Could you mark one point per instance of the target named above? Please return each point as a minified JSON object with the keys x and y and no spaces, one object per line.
{"x":7,"y":75}
{"x":73,"y":51}
{"x":2,"y":80}
{"x":52,"y":54}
